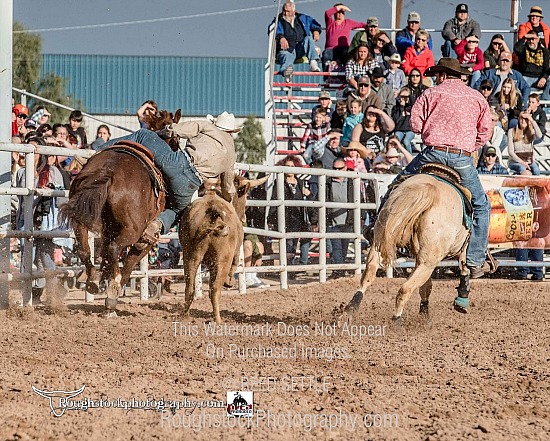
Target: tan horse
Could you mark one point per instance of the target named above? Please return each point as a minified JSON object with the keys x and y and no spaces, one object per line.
{"x":426,"y":216}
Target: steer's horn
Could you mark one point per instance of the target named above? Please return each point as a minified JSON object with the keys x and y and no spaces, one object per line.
{"x":256,"y":182}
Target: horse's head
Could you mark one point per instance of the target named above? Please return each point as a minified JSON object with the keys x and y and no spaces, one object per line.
{"x":160,"y":120}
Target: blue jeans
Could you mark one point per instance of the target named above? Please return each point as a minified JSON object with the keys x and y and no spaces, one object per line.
{"x":339,"y":246}
{"x":43,"y":258}
{"x":545,"y":91}
{"x":535,"y":255}
{"x":180,"y":176}
{"x":446,"y":48}
{"x":406,"y":139}
{"x":305,"y":47}
{"x":519,"y":168}
{"x":304,"y":249}
{"x":475,"y":254}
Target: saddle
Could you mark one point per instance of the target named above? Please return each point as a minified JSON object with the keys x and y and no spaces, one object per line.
{"x":452,"y":177}
{"x":146,"y":157}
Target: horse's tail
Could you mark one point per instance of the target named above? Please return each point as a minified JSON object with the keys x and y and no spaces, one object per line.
{"x":399,"y":218}
{"x":87,"y":199}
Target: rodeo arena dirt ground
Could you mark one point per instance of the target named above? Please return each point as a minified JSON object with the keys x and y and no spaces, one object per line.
{"x":66,"y":373}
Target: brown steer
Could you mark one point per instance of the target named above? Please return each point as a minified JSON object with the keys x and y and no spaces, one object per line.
{"x":211,"y":232}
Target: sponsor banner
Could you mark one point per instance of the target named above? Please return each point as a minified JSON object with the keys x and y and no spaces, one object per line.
{"x":520,"y":210}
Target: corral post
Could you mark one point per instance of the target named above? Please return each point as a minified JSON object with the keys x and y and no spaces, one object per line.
{"x":6,"y":58}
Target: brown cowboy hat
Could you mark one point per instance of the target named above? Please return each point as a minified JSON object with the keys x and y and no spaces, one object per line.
{"x":448,"y":65}
{"x":356,"y":145}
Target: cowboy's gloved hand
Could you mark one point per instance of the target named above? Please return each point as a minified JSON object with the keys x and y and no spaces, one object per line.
{"x":166,"y":132}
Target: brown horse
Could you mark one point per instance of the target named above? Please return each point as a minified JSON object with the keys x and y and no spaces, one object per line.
{"x":116,"y":195}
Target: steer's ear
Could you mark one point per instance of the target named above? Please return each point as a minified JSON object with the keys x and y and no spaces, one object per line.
{"x":177,"y":116}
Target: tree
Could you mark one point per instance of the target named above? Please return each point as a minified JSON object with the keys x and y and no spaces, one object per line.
{"x":250,"y":145}
{"x":27,"y":63}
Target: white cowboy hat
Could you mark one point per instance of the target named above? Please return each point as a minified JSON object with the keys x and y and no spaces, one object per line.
{"x":356,"y":145}
{"x":225,"y":121}
{"x":392,"y":153}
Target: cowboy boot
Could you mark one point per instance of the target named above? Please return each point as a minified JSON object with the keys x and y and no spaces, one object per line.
{"x":151,"y":235}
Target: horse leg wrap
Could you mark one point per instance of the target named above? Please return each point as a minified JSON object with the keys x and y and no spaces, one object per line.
{"x":464,"y":287}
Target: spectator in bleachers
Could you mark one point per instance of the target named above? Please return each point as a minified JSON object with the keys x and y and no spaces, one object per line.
{"x":360,"y":65}
{"x":457,"y":29}
{"x":149,"y":107}
{"x":418,"y":56}
{"x":536,"y":24}
{"x":44,"y":130}
{"x":492,"y":53}
{"x":367,"y":96}
{"x":539,"y":116}
{"x":416,"y":84}
{"x":325,"y":102}
{"x":406,"y":37}
{"x":356,"y":156}
{"x":102,"y":136}
{"x":498,"y":138}
{"x":316,"y":129}
{"x":489,"y":164}
{"x":355,"y":117}
{"x":470,"y":56}
{"x":253,"y":250}
{"x":338,"y":30}
{"x":395,"y":77}
{"x":520,"y":145}
{"x":401,"y":116}
{"x":41,"y":115}
{"x":382,"y":48}
{"x":364,"y":37}
{"x":395,"y":153}
{"x":371,"y":132}
{"x":503,"y":71}
{"x":325,"y":151}
{"x":532,"y":60}
{"x":74,"y":128}
{"x":383,"y":90}
{"x":296,"y":35}
{"x":510,"y":102}
{"x":486,"y":89}
{"x":21,"y":113}
{"x":339,"y":115}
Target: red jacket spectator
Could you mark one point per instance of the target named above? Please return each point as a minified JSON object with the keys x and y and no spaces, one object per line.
{"x":420,"y":61}
{"x":476,"y":57}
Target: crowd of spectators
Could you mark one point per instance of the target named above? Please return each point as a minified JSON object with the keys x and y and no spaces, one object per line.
{"x":369,"y":128}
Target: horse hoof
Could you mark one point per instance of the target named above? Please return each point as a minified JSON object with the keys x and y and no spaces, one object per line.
{"x":92,"y":288}
{"x":354,"y":303}
{"x":460,"y":309}
{"x":461,"y":304}
{"x":110,"y":304}
{"x":398,"y":321}
{"x":109,"y":314}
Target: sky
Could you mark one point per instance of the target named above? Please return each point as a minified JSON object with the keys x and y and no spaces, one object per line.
{"x":216,"y":28}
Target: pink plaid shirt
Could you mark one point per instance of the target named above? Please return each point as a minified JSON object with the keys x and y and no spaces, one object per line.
{"x":452,"y":115}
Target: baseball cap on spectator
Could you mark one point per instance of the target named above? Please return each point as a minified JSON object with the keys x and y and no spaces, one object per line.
{"x":363,"y":80}
{"x":394,"y":57}
{"x":535,"y":11}
{"x":21,"y":109}
{"x":40,"y":113}
{"x":413,"y":16}
{"x":377,"y":72}
{"x":31,"y":124}
{"x":324,"y":94}
{"x":490,"y":151}
{"x":461,"y":7}
{"x":372,"y":21}
{"x":505,"y":56}
{"x":486,"y":84}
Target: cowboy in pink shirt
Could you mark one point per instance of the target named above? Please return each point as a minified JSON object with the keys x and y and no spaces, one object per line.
{"x":338,"y":32}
